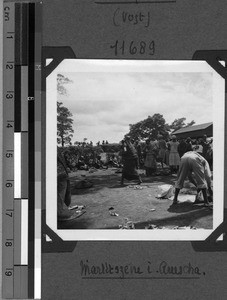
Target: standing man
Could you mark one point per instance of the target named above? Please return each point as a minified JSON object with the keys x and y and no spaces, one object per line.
{"x":205,"y":145}
{"x":193,"y":162}
{"x":182,"y":147}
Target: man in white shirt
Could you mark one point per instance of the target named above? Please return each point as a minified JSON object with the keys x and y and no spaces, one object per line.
{"x":193,"y":162}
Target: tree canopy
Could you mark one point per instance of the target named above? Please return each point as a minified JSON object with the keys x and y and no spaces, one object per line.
{"x":180,"y":123}
{"x":150,"y":128}
{"x":64,"y":116}
{"x":64,"y":125}
{"x":61,"y":81}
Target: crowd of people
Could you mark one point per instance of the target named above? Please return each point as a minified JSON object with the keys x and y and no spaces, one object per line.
{"x":149,"y":153}
{"x":184,"y":157}
{"x":85,"y":144}
{"x":91,"y":160}
{"x":169,"y":152}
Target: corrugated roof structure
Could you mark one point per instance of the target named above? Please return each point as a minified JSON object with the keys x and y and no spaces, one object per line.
{"x":195,"y":131}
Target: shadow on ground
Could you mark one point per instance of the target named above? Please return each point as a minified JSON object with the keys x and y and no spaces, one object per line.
{"x":185,"y":207}
{"x":75,"y":224}
{"x":182,"y":220}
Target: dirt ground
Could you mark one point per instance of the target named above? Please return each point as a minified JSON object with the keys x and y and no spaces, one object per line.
{"x":131,"y":202}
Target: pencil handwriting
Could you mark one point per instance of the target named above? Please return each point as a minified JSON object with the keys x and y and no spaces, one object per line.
{"x":122,"y":17}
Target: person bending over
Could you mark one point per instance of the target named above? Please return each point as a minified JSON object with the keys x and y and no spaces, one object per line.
{"x":193,"y":162}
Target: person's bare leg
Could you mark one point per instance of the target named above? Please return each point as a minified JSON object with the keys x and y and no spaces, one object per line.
{"x":122,"y":179}
{"x":162,"y":163}
{"x":140,"y":180}
{"x":210,"y":191}
{"x":175,"y":201}
{"x":191,"y":179}
{"x":204,"y":191}
{"x":197,"y":197}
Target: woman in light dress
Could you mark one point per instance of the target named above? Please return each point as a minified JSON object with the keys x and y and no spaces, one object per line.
{"x":174,"y":157}
{"x":162,"y":149}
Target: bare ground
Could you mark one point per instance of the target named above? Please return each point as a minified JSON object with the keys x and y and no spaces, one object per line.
{"x":139,"y":205}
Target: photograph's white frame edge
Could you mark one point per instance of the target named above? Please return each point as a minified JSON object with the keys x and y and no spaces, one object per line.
{"x":144,"y":235}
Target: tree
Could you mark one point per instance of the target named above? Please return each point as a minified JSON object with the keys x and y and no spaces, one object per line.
{"x":64,"y":125}
{"x":190,"y":123}
{"x":61,"y":81}
{"x":64,"y":120}
{"x":151,"y":127}
{"x":180,"y":123}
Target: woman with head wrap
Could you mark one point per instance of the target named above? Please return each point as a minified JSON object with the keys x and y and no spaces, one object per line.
{"x":151,"y":152}
{"x":130,"y":162}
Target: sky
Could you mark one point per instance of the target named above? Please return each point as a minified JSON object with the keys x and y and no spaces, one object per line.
{"x":103,"y":104}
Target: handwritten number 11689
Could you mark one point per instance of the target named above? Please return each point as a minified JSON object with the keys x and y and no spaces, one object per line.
{"x":133,"y":48}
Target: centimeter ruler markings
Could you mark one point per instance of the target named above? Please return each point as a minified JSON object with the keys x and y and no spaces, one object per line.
{"x":8,"y":151}
{"x":22,"y":151}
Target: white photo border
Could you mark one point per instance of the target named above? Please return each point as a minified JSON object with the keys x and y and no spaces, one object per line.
{"x":101,"y":65}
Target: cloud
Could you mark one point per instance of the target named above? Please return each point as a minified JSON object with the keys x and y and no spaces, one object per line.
{"x":87,"y":107}
{"x":104,"y":104}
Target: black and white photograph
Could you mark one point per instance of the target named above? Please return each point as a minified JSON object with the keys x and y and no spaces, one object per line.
{"x":134,"y":145}
{"x":114,"y":161}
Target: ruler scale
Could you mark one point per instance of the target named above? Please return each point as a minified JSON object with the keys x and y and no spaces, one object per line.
{"x":8,"y":152}
{"x":21,"y":227}
{"x":20,"y":268}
